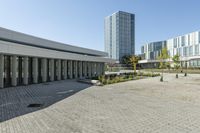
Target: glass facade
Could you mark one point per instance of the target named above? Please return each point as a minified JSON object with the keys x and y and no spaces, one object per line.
{"x":120,"y":35}
{"x":187,"y":46}
{"x":153,"y":50}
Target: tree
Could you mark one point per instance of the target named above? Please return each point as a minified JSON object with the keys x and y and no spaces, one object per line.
{"x":163,"y":60}
{"x":176,"y":60}
{"x":134,"y":61}
{"x":126,"y":60}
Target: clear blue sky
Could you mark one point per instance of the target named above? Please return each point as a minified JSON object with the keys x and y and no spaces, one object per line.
{"x":81,"y":22}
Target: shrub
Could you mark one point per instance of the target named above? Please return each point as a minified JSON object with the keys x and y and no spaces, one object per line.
{"x":117,"y":79}
{"x":104,"y":81}
{"x":137,"y":77}
{"x":130,"y":77}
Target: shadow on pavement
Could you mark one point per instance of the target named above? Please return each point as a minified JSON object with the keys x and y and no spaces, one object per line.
{"x":14,"y":101}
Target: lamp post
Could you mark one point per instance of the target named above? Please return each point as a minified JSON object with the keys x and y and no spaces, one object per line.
{"x":186,"y":69}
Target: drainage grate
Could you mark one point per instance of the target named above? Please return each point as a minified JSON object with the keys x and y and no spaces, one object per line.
{"x":35,"y":105}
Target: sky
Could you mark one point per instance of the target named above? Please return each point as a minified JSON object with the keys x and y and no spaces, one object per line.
{"x":81,"y":22}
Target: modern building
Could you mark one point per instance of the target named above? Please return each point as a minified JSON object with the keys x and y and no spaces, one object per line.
{"x":186,"y":46}
{"x":26,"y":59}
{"x":120,"y":35}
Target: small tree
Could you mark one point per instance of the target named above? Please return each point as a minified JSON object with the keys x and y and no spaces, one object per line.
{"x":176,"y":60}
{"x":134,"y":61}
{"x":162,"y":58}
{"x":126,"y":60}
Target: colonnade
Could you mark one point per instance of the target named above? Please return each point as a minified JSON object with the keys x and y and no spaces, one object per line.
{"x":23,"y":70}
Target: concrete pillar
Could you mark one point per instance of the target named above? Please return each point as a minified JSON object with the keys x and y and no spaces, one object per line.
{"x":1,"y":71}
{"x":35,"y":70}
{"x":89,"y":70}
{"x":70,"y":70}
{"x":65,"y":69}
{"x":44,"y":70}
{"x":52,"y":69}
{"x":93,"y":69}
{"x":25,"y":71}
{"x":59,"y":70}
{"x":98,"y":69}
{"x":80,"y":69}
{"x":85,"y":69}
{"x":103,"y":68}
{"x":76,"y":69}
{"x":14,"y":70}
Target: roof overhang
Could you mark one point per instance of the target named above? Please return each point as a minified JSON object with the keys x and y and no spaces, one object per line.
{"x":24,"y":39}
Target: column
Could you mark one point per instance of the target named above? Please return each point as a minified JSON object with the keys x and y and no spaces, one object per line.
{"x":80,"y":69}
{"x":85,"y":69}
{"x":14,"y":70}
{"x":103,"y":68}
{"x":25,"y":71}
{"x":98,"y":69}
{"x":59,"y":69}
{"x":65,"y":69}
{"x":89,"y":70}
{"x":52,"y":69}
{"x":91,"y":64}
{"x":76,"y":69}
{"x":93,"y":69}
{"x":35,"y":70}
{"x":1,"y":71}
{"x":70,"y":70}
{"x":44,"y":70}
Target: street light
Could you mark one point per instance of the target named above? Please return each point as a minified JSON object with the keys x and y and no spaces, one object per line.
{"x":186,"y":69}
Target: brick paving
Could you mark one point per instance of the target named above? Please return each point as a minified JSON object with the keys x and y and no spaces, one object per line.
{"x":141,"y":106}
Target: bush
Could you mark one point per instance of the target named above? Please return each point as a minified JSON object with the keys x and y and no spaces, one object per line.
{"x":130,"y":77}
{"x":110,"y":79}
{"x":117,"y":79}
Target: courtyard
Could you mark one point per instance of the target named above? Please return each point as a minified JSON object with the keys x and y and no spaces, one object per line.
{"x":138,"y":106}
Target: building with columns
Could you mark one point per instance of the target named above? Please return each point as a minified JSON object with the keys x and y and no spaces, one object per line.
{"x":26,"y":59}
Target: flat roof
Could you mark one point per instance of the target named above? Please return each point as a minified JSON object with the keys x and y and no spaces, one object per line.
{"x":24,"y":39}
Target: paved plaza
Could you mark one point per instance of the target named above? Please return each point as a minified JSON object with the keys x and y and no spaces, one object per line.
{"x":140,"y":106}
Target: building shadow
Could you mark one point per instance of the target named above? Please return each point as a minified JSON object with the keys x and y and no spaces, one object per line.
{"x":18,"y":101}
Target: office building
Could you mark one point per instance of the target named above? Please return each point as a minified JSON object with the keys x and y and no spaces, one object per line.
{"x":120,"y":35}
{"x":186,"y":46}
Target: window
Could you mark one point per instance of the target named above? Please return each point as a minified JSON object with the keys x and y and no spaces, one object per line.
{"x":199,"y":37}
{"x":182,"y":41}
{"x":196,"y":49}
{"x":190,"y":51}
{"x":175,"y":43}
{"x":185,"y":51}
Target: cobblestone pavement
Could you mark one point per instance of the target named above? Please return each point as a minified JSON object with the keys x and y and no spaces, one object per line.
{"x":141,"y":106}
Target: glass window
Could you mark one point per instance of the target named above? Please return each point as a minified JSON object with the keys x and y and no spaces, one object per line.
{"x":182,"y":41}
{"x":196,"y":49}
{"x":190,"y":51}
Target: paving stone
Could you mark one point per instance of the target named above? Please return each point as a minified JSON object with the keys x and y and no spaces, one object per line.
{"x":140,"y":106}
